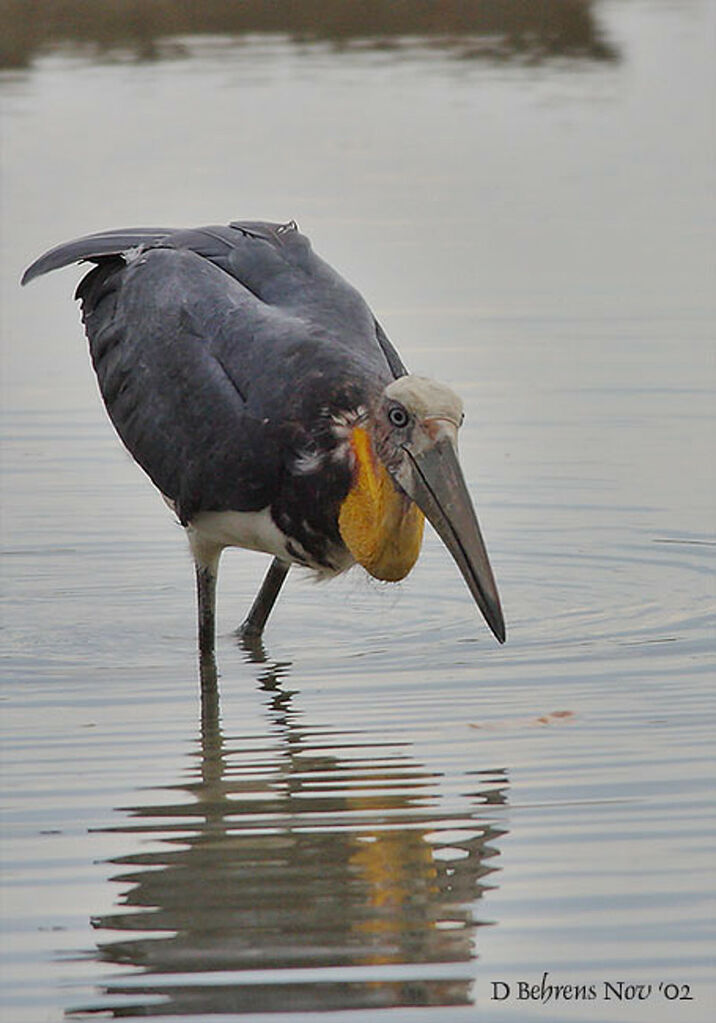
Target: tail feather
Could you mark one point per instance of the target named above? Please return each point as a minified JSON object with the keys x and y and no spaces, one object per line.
{"x":95,"y":246}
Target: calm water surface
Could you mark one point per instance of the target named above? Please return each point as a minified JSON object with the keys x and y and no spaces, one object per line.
{"x":381,"y":810}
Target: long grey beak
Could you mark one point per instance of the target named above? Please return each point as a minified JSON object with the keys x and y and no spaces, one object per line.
{"x":440,"y":492}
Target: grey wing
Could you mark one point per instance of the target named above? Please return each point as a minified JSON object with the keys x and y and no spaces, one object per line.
{"x":93,"y":247}
{"x":154,"y":328}
{"x":397,"y":366}
{"x":278,"y":265}
{"x":199,"y":338}
{"x":275,"y":262}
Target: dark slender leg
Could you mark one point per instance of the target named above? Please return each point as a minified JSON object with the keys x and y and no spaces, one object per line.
{"x":206,"y":562}
{"x":206,"y":604}
{"x":253,"y":624}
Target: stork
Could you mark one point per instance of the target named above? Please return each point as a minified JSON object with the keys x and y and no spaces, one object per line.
{"x":263,"y":399}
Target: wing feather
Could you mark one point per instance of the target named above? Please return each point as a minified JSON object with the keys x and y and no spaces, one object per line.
{"x":218,"y":351}
{"x":93,"y":247}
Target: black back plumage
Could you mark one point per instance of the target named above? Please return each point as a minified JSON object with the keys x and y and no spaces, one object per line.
{"x":222,"y":353}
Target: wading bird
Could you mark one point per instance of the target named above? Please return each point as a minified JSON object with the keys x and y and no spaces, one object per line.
{"x":259,"y":393}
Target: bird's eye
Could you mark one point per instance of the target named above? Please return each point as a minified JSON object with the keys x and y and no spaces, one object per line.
{"x":398,"y":416}
{"x":462,"y":418}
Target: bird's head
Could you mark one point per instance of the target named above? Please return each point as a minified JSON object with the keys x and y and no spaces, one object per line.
{"x":406,"y":466}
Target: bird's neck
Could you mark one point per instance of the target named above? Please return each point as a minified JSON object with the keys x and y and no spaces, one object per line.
{"x":379,"y":525}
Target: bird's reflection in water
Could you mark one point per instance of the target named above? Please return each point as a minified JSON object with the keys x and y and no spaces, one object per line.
{"x":299,"y":853}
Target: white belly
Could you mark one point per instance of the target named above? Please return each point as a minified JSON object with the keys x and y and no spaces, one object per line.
{"x":210,"y":531}
{"x":256,"y":531}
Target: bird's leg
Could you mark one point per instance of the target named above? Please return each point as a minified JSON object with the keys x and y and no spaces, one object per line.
{"x":206,"y":562}
{"x":206,"y":603}
{"x":253,"y":624}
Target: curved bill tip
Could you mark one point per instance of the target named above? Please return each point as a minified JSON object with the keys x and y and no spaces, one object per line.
{"x":440,"y":492}
{"x":496,"y":621}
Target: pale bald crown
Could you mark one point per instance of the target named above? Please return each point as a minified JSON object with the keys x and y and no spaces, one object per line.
{"x":426,"y":399}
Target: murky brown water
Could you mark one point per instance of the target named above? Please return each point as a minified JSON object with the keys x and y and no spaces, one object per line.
{"x":381,"y":810}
